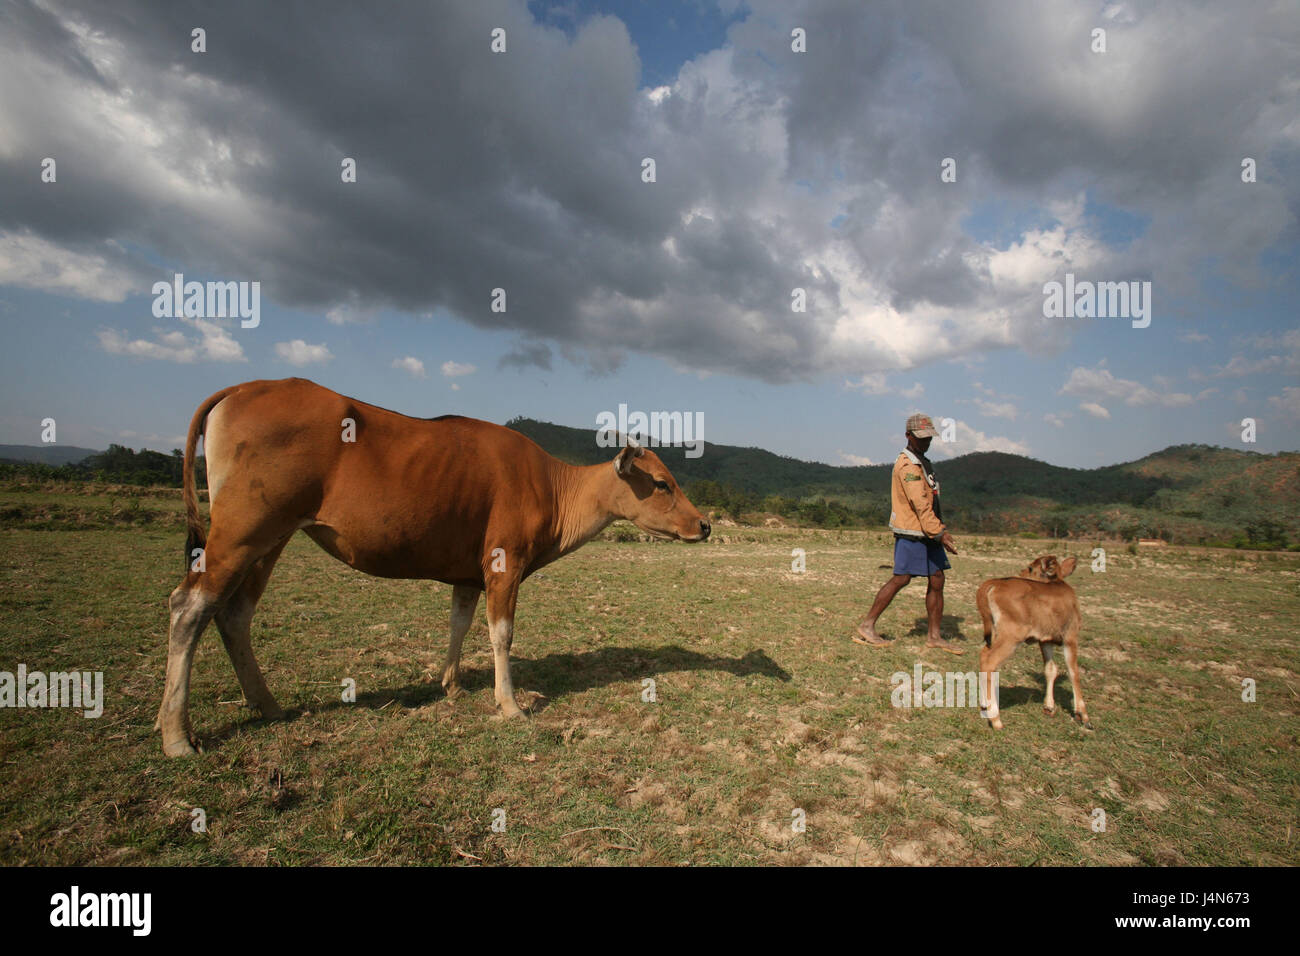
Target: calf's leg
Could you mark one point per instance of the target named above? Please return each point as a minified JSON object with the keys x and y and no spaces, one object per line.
{"x":1049,"y":674}
{"x":1072,"y":666}
{"x":991,"y":660}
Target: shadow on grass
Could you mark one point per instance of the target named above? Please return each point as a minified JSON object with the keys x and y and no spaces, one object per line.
{"x":1032,"y":697}
{"x":557,"y":675}
{"x":949,"y":627}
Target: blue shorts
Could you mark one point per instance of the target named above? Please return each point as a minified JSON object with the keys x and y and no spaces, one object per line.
{"x":919,"y":557}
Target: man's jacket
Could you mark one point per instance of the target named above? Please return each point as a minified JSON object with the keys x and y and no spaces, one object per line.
{"x":914,"y":497}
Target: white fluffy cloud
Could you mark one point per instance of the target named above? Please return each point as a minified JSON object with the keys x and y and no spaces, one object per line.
{"x":971,"y":439}
{"x":1288,"y":401}
{"x":301,"y":353}
{"x":851,"y":459}
{"x":411,"y":365}
{"x":1098,"y":383}
{"x":874,"y":384}
{"x":1095,"y":410}
{"x":35,"y":263}
{"x":213,"y":343}
{"x":456,"y":369}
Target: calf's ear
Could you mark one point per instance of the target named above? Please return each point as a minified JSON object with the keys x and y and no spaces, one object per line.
{"x":1068,"y":566}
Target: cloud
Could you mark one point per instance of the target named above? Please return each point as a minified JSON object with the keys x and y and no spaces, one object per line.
{"x":473,"y":163}
{"x":1288,"y":401}
{"x":1193,"y":337}
{"x":213,"y":344}
{"x":972,"y":439}
{"x":1286,"y":358}
{"x":524,"y":355}
{"x":1100,"y":383}
{"x":874,"y":383}
{"x":169,"y":347}
{"x":859,"y":460}
{"x":96,"y":271}
{"x":456,"y":369}
{"x":1054,"y":420}
{"x":300,"y":353}
{"x":411,"y":365}
{"x":1095,"y":410}
{"x":995,"y":409}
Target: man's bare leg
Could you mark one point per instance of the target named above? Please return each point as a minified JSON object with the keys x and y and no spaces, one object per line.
{"x":867,"y":629}
{"x":934,"y":614}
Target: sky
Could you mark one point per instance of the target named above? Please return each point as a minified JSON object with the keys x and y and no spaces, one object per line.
{"x":922,"y":171}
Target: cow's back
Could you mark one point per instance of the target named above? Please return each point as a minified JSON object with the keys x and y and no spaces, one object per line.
{"x":389,"y":494}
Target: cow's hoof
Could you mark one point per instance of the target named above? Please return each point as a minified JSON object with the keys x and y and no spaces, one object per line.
{"x":272,"y":711}
{"x":179,"y":748}
{"x":1049,"y":711}
{"x":511,"y":713}
{"x":451,"y":691}
{"x":995,"y":724}
{"x":1084,"y":723}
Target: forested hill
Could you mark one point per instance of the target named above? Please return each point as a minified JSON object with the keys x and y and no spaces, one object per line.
{"x":1185,"y":493}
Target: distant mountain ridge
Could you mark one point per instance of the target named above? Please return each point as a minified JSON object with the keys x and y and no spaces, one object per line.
{"x":53,"y":454}
{"x":1184,"y":493}
{"x":1187,"y":493}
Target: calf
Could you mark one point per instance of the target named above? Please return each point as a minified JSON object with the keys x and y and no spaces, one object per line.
{"x":1036,"y":606}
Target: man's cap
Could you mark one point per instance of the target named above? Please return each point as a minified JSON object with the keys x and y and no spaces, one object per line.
{"x":921,"y":426}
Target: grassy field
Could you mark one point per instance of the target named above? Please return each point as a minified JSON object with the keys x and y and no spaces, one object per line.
{"x":764,"y":707}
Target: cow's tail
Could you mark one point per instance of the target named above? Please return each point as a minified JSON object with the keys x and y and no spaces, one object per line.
{"x":195,"y":536}
{"x":986,"y":615}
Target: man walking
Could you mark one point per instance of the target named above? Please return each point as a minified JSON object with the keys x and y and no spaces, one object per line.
{"x":919,"y":537}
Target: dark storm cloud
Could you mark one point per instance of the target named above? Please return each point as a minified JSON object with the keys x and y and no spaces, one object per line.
{"x":522,"y":170}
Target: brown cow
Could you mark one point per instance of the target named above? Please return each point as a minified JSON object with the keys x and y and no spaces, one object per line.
{"x":451,"y":499}
{"x":1035,"y":606}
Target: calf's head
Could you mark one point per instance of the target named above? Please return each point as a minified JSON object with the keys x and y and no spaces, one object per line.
{"x":649,"y":497}
{"x":1047,"y":568}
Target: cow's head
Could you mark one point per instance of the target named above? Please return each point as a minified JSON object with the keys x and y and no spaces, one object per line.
{"x":649,"y":497}
{"x":1047,"y":568}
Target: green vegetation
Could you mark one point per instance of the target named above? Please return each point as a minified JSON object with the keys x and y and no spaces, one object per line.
{"x":1186,"y":494}
{"x":118,"y":465}
{"x":762,"y":706}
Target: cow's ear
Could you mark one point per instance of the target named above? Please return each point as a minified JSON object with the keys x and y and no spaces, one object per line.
{"x":623,"y":461}
{"x":1067,"y":567}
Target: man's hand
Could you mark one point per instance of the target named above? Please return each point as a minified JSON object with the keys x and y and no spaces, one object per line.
{"x":949,"y":545}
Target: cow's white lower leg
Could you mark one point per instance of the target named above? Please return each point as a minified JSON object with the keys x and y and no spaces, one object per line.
{"x":191,"y":610}
{"x":463,"y":602}
{"x":502,"y":631}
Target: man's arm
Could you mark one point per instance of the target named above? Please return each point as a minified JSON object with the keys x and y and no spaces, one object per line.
{"x":918,"y":494}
